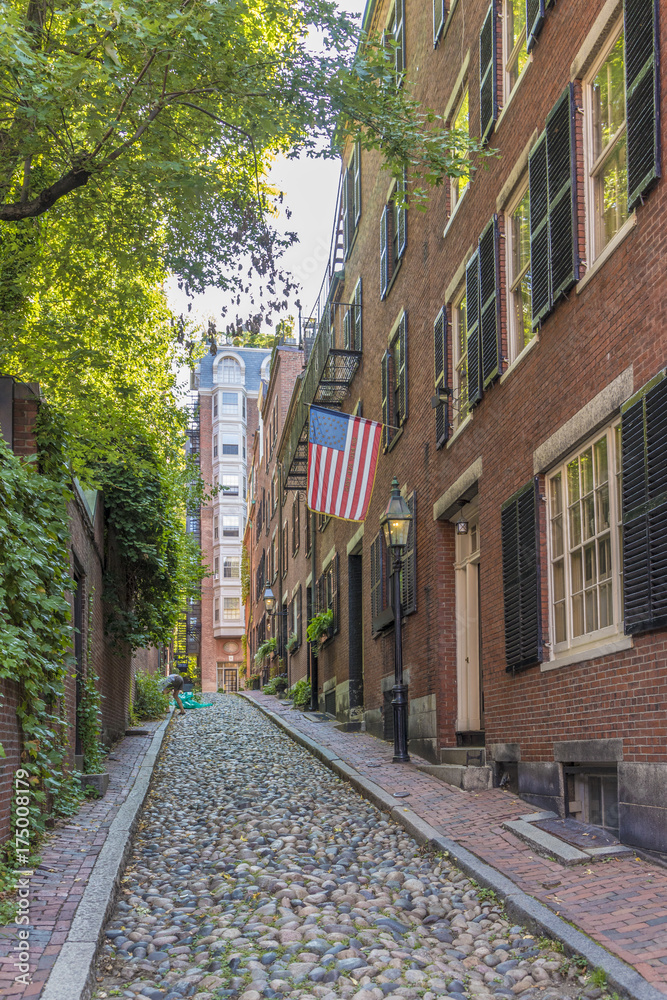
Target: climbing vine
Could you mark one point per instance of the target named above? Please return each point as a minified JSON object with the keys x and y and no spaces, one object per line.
{"x":35,"y":623}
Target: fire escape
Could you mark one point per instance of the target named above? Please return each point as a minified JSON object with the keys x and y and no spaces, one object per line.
{"x":187,"y":639}
{"x":331,"y":335}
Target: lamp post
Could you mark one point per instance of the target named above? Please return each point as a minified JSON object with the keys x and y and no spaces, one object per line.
{"x":395,"y":524}
{"x":270,"y":605}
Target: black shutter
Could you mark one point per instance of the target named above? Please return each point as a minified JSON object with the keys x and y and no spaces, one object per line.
{"x":642,"y":96}
{"x":402,"y":215}
{"x":539,"y":229}
{"x":399,"y":34}
{"x":376,"y":577}
{"x":299,"y":614}
{"x":489,"y":284}
{"x":351,"y":224}
{"x":409,"y":573}
{"x":402,"y":373}
{"x":439,"y":14}
{"x":472,"y":315}
{"x":644,"y":465}
{"x":386,"y":434}
{"x":385,"y":247}
{"x":521,"y":592}
{"x":488,"y":90}
{"x":534,"y":21}
{"x":345,"y":212}
{"x":356,"y":321}
{"x":441,"y":381}
{"x":561,"y":173}
{"x":335,"y":601}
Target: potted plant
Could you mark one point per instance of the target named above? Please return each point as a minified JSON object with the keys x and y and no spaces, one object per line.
{"x":89,"y":713}
{"x":319,"y":629}
{"x":292,"y":643}
{"x":300,"y":694}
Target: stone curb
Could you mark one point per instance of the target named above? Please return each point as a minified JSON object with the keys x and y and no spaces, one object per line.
{"x":72,"y":975}
{"x":521,"y":907}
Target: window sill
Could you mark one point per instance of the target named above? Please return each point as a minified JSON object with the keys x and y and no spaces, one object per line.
{"x":519,"y":81}
{"x":616,"y":645}
{"x":395,"y":438}
{"x":602,"y":258}
{"x":456,"y":209}
{"x":459,"y":430}
{"x":520,"y":356}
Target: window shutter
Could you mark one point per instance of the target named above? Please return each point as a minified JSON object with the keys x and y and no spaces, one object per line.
{"x":535,"y":13}
{"x":561,"y":173}
{"x":374,"y":577}
{"x":441,"y":381}
{"x":642,"y":96}
{"x":644,"y":465}
{"x":356,"y":183}
{"x":519,"y":528}
{"x":489,"y":283}
{"x":402,"y":373}
{"x":539,"y":229}
{"x":472,"y":310}
{"x":399,"y":35}
{"x":439,"y":14}
{"x":488,"y":90}
{"x":347,"y":330}
{"x":356,"y":323}
{"x":334,"y":594}
{"x":299,"y":614}
{"x":409,"y":573}
{"x":385,"y":242}
{"x":385,"y":399}
{"x":350,"y":209}
{"x":402,"y":216}
{"x":345,"y":213}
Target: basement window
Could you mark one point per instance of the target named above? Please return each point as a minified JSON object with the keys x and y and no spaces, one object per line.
{"x":592,"y":794}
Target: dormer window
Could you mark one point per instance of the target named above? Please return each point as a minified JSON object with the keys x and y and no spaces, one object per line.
{"x":229,"y":370}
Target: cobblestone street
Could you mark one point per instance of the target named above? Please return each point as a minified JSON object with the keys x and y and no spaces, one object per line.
{"x":258,"y":873}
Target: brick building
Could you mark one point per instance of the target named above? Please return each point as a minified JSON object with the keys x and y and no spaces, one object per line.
{"x":510,"y":338}
{"x":227,"y":388}
{"x":91,"y":550}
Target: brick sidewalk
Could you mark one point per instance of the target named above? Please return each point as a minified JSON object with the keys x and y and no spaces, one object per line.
{"x":68,"y":855}
{"x":620,"y":903}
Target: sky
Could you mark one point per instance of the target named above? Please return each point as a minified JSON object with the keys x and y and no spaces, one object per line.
{"x":310,"y":188}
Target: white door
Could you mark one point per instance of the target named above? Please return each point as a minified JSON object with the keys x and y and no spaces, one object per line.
{"x":468,"y":668}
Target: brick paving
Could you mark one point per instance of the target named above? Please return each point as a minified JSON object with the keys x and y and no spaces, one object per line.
{"x":621,"y":903}
{"x":67,"y":857}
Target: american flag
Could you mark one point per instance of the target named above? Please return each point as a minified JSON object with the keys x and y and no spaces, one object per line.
{"x":342,"y":458}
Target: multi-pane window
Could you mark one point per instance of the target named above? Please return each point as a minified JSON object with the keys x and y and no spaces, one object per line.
{"x":216,"y":567}
{"x":243,"y":410}
{"x":230,"y":526}
{"x":586,"y":543}
{"x":460,"y":346}
{"x":230,"y":371}
{"x":215,"y":528}
{"x":245,"y":490}
{"x":514,"y":42}
{"x":521,"y":329}
{"x":274,"y":556}
{"x":215,"y":446}
{"x":230,"y":444}
{"x":285,"y":553}
{"x":232,"y":609}
{"x":215,"y":405}
{"x":296,"y":525}
{"x":607,"y":160}
{"x":230,"y":402}
{"x":396,"y":34}
{"x":460,"y":123}
{"x":230,"y":486}
{"x":231,"y":568}
{"x":216,"y":611}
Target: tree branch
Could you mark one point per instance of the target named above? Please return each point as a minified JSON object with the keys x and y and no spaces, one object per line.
{"x":46,"y":198}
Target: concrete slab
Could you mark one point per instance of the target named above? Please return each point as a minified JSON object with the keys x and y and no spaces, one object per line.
{"x":546,"y":843}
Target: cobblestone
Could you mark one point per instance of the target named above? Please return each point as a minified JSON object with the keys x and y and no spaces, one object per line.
{"x":258,"y":873}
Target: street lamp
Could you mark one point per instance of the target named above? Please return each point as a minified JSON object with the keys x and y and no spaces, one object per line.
{"x":395,"y":524}
{"x":269,"y":600}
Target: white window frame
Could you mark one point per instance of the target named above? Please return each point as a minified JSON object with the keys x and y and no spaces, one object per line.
{"x":230,"y":366}
{"x":230,"y":441}
{"x":455,"y":194}
{"x":226,"y":492}
{"x":507,"y":55}
{"x":513,"y":281}
{"x":594,"y":245}
{"x":601,"y":636}
{"x":228,"y":522}
{"x":216,"y":610}
{"x":231,"y":614}
{"x":458,"y":418}
{"x":231,"y":563}
{"x":230,"y":408}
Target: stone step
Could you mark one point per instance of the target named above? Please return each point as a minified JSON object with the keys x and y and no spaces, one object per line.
{"x":465,"y":756}
{"x":470,"y":779}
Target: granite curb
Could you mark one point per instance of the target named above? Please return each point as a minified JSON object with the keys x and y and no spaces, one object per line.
{"x":520,"y":906}
{"x":72,"y":974}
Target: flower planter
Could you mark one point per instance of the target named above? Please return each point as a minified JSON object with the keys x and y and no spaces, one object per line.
{"x":100,"y":782}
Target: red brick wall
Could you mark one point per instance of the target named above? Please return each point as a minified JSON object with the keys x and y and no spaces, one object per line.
{"x":589,"y":340}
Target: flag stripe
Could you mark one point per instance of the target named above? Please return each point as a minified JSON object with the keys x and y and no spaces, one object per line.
{"x":353,"y":500}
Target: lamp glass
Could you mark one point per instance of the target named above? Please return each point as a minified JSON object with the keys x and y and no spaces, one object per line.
{"x":396,"y":519}
{"x":269,"y":600}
